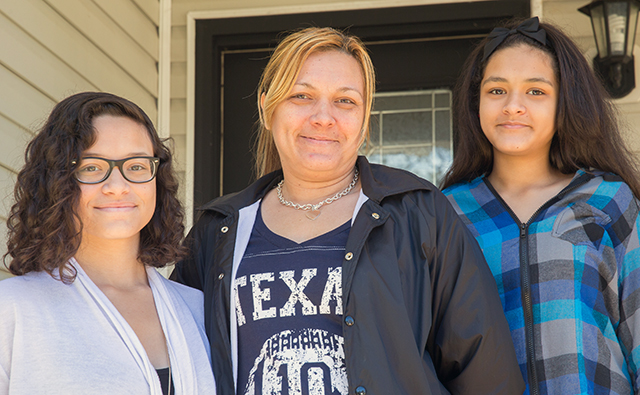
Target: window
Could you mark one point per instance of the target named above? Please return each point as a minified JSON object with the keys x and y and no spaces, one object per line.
{"x":412,"y":130}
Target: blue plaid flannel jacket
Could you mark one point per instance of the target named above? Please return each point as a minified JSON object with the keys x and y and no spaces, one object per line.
{"x":569,"y":281}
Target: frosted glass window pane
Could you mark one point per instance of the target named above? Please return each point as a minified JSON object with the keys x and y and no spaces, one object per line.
{"x":443,"y":125}
{"x":406,"y":128}
{"x":443,"y":100}
{"x":408,"y":132}
{"x":375,"y":158}
{"x":374,"y":127}
{"x":408,"y":102}
{"x":443,"y":159}
{"x":419,"y":160}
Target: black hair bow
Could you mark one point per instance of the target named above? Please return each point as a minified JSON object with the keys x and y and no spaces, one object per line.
{"x":530,"y":28}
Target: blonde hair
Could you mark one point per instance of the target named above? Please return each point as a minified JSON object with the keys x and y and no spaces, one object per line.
{"x":282,"y":71}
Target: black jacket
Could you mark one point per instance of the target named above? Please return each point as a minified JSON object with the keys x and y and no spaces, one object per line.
{"x":421,"y":308}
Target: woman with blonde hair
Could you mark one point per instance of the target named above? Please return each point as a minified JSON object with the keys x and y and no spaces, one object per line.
{"x":331,"y":275}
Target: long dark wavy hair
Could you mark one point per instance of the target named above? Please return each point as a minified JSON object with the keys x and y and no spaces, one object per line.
{"x":43,"y":222}
{"x":587,"y":132}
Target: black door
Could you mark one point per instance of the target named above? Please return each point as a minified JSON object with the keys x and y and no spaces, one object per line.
{"x":413,"y":49}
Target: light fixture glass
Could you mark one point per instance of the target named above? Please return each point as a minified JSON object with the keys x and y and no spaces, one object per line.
{"x":617,"y":16}
{"x":633,"y":24}
{"x":599,"y":30}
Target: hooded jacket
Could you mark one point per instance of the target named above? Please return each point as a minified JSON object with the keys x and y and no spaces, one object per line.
{"x":569,"y":280}
{"x":421,"y":312}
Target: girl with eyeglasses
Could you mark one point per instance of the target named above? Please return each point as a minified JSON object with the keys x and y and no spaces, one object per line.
{"x":544,"y":182}
{"x":95,"y":213}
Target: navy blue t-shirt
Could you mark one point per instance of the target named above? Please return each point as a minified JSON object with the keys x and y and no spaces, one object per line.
{"x":289,"y":314}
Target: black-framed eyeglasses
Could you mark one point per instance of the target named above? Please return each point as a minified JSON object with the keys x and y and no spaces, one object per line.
{"x":137,"y":169}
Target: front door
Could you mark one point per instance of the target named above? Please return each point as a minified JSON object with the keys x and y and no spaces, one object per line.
{"x":417,"y":52}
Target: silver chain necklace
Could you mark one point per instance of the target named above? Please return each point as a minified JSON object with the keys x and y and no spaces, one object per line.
{"x":313,"y":210}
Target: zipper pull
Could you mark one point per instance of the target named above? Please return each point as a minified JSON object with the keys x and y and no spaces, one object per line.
{"x":523,"y":230}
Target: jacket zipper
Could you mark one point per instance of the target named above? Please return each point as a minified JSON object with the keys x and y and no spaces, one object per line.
{"x":527,"y":309}
{"x":525,"y":281}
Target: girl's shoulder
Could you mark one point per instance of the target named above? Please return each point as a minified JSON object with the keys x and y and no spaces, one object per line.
{"x":30,"y":283}
{"x":32,"y":292}
{"x":604,"y":185}
{"x":606,"y":192}
{"x":464,"y":186}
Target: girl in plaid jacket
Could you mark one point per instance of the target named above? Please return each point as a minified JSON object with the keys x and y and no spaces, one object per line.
{"x":544,"y":182}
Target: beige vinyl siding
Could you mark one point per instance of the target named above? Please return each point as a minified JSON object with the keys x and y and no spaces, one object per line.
{"x":151,"y":9}
{"x":141,"y":27}
{"x":50,"y":49}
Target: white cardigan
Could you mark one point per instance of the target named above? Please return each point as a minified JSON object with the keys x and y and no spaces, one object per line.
{"x":70,"y":339}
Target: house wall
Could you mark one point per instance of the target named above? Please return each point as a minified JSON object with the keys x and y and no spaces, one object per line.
{"x":565,"y":13}
{"x":562,"y":12}
{"x":50,"y":49}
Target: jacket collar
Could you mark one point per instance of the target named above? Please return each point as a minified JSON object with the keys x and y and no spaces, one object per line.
{"x":233,"y":202}
{"x":378,"y":182}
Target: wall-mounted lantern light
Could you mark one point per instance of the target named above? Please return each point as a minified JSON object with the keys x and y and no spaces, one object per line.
{"x":614,"y":27}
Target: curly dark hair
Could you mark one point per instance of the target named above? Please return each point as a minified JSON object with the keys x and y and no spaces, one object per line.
{"x":587,"y":131}
{"x":43,"y":223}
